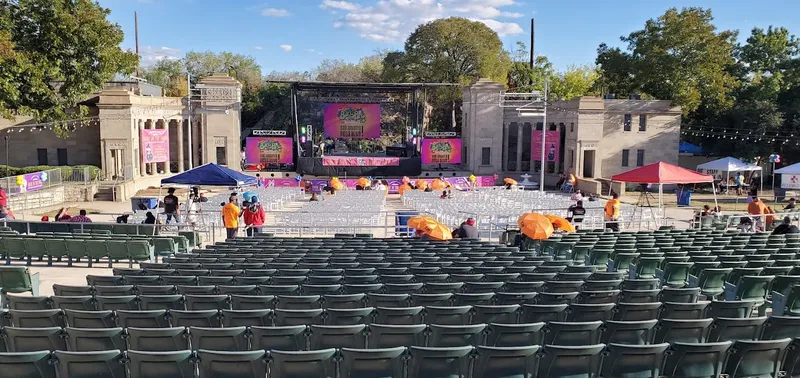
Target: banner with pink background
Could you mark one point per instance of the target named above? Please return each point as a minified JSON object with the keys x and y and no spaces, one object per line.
{"x":552,"y":146}
{"x":317,"y":185}
{"x":268,"y":150}
{"x":441,"y":151}
{"x":352,"y":121}
{"x":155,"y":145}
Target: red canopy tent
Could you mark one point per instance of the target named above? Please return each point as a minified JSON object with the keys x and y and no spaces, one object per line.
{"x":664,"y":173}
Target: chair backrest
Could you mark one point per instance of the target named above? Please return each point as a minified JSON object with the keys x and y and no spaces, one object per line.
{"x":506,"y":362}
{"x":751,"y":358}
{"x":627,"y":360}
{"x":570,"y":361}
{"x":15,"y":279}
{"x":177,"y":364}
{"x":388,"y":362}
{"x":245,"y":364}
{"x":439,"y":362}
{"x":90,"y":364}
{"x":27,"y":364}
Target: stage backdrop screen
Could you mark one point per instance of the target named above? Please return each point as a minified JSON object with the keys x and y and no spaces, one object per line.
{"x":268,"y":150}
{"x":441,"y":151}
{"x":352,"y":121}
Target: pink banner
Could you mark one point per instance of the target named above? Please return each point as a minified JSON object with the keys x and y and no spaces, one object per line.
{"x":317,"y":185}
{"x":341,"y":161}
{"x":268,"y":150}
{"x":352,"y":121}
{"x":441,"y":151}
{"x":155,"y":145}
{"x":552,"y":145}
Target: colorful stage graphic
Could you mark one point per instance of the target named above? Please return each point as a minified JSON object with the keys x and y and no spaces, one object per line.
{"x":352,"y":121}
{"x":441,"y":151}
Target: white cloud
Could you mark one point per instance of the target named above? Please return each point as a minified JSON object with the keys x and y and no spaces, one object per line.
{"x":258,"y":48}
{"x":286,"y":48}
{"x":275,"y":12}
{"x":149,"y":55}
{"x":335,"y":4}
{"x":312,"y":51}
{"x":391,"y":21}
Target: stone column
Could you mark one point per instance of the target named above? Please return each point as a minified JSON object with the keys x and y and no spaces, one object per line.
{"x":142,"y":168}
{"x":165,"y":125}
{"x":179,"y":123}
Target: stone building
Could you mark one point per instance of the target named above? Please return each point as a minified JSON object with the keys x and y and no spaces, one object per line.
{"x":110,"y":139}
{"x":597,"y":137}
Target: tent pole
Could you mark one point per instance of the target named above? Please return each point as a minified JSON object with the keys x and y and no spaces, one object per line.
{"x":158,"y":199}
{"x":727,"y":180}
{"x":713,"y":189}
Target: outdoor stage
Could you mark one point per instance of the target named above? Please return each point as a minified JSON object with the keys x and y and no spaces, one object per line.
{"x":354,"y":165}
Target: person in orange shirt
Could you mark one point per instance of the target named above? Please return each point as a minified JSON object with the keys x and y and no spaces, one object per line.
{"x":612,"y":212}
{"x":230,"y":217}
{"x":771,"y":218}
{"x":758,"y":208}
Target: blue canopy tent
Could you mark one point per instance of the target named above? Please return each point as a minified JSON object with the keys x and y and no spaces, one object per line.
{"x":210,"y":175}
{"x":688,"y":148}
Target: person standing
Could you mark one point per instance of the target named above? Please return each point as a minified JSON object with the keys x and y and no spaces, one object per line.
{"x":612,"y":212}
{"x":230,"y":216}
{"x":171,"y":206}
{"x":576,"y":213}
{"x":3,"y":197}
{"x":739,"y":181}
{"x":758,"y":209}
{"x":254,"y":216}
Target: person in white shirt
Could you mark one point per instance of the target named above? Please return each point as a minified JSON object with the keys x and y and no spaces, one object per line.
{"x":194,"y":210}
{"x":577,"y":196}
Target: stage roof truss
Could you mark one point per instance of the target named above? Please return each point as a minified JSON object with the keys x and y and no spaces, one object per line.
{"x":526,"y":104}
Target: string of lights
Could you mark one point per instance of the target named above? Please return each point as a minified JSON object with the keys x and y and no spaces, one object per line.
{"x":746,"y":137}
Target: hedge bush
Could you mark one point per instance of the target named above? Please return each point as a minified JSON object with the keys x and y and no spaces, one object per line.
{"x":66,"y":170}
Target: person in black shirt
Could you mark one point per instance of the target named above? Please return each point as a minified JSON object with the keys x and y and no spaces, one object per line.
{"x":171,"y":206}
{"x":790,"y":205}
{"x":576,"y":212}
{"x":786,"y":227}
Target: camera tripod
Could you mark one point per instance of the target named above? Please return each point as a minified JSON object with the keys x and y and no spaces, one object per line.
{"x":643,"y":201}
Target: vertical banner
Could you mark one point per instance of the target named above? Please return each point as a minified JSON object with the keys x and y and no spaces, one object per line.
{"x":552,"y":147}
{"x":155,"y":145}
{"x":441,"y":151}
{"x":352,"y":121}
{"x":268,"y":150}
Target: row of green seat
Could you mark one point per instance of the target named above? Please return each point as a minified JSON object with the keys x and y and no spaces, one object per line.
{"x":739,"y":359}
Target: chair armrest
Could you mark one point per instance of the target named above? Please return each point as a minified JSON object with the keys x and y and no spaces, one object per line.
{"x":35,"y":284}
{"x":693,"y":281}
{"x":730,"y":291}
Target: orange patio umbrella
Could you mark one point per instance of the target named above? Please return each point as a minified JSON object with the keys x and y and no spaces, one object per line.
{"x":438,"y":184}
{"x":535,"y":226}
{"x":422,"y":184}
{"x":438,"y":232}
{"x":421,"y":222}
{"x":561,"y":223}
{"x":510,"y":181}
{"x":363,"y":182}
{"x":336,"y":184}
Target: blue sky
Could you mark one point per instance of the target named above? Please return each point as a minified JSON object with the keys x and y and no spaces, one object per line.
{"x":295,"y":35}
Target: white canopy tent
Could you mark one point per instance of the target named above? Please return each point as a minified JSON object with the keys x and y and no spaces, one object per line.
{"x":789,"y":176}
{"x":793,"y":169}
{"x":728,"y":165}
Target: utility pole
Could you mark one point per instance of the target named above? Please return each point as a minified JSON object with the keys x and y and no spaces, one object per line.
{"x":544,"y":133}
{"x":532,"y":42}
{"x":136,"y":34}
{"x":189,"y":111}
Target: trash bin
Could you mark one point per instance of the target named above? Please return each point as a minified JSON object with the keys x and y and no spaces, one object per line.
{"x":780,"y":194}
{"x":684,"y":197}
{"x":401,"y":221}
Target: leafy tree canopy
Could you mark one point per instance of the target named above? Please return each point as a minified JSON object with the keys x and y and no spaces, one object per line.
{"x":53,"y":54}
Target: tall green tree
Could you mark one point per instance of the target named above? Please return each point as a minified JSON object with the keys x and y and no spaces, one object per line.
{"x":169,"y":74}
{"x":54,"y":53}
{"x":679,"y":56}
{"x":576,"y":81}
{"x":455,"y":50}
{"x":243,"y":68}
